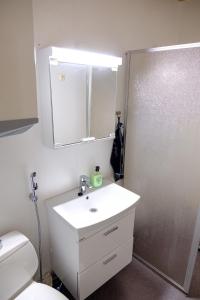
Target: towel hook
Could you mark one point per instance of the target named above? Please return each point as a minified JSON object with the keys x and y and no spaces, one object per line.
{"x":118,"y":114}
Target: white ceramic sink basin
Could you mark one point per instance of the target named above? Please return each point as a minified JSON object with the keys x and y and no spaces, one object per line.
{"x":97,"y":206}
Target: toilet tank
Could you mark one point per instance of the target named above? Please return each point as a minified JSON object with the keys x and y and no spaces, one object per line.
{"x":18,"y":263}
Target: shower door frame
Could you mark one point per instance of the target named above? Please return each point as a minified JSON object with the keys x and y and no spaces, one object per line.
{"x":196,"y":234}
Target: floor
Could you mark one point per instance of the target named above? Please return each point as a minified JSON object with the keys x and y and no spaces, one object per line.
{"x":137,"y":282}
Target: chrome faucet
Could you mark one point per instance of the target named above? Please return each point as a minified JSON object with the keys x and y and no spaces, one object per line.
{"x":84,"y":184}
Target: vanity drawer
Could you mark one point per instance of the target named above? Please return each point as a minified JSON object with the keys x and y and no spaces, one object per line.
{"x":95,"y":247}
{"x":95,"y":276}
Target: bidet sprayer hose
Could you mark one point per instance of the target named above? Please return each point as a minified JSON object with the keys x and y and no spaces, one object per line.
{"x":33,"y":196}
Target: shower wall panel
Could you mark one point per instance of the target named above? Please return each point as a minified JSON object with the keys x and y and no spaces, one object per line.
{"x":163,"y":155}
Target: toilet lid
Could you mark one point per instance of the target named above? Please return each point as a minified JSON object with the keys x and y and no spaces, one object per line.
{"x":42,"y":291}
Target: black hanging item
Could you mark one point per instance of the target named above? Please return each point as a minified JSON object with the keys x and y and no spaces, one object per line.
{"x":117,"y":155}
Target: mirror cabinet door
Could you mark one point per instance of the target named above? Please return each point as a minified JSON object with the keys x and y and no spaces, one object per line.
{"x":103,"y":102}
{"x":69,"y":102}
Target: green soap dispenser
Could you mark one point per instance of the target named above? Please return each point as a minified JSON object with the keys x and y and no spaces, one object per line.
{"x":96,"y":178}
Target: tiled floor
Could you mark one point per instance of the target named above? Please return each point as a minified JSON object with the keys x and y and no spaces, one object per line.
{"x":136,"y":282}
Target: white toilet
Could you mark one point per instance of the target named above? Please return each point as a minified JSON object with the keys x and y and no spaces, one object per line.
{"x":18,"y":265}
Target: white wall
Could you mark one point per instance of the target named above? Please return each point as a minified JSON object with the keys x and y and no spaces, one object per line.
{"x":116,"y":25}
{"x":58,"y":171}
{"x":111,"y":26}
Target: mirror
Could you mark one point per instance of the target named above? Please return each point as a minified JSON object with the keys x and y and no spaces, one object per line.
{"x":78,"y":91}
{"x":69,"y":102}
{"x":103,"y":102}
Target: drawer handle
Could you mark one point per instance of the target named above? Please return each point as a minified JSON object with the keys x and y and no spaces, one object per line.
{"x":110,"y":259}
{"x":111,"y":230}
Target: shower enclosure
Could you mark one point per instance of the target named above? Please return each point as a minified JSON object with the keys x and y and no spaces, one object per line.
{"x":162,"y":159}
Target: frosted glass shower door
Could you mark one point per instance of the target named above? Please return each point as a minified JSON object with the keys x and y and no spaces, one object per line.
{"x":163,"y":155}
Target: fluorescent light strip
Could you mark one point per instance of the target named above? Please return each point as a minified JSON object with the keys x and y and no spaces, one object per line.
{"x":166,"y":48}
{"x":85,"y":58}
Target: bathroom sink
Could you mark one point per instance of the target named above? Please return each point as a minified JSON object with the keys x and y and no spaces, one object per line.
{"x":97,"y":206}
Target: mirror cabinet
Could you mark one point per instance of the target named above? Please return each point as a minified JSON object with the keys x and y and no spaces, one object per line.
{"x":77,"y":93}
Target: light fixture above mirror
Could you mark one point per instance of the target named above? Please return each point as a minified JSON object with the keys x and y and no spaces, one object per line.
{"x":84,"y":58}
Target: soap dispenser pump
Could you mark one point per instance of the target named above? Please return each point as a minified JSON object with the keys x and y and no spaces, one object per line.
{"x":96,"y":178}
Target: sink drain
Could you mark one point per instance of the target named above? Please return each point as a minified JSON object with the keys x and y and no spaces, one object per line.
{"x":93,"y":209}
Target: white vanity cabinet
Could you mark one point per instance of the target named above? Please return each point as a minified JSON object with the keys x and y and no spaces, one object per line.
{"x":17,"y":72}
{"x":85,"y":258}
